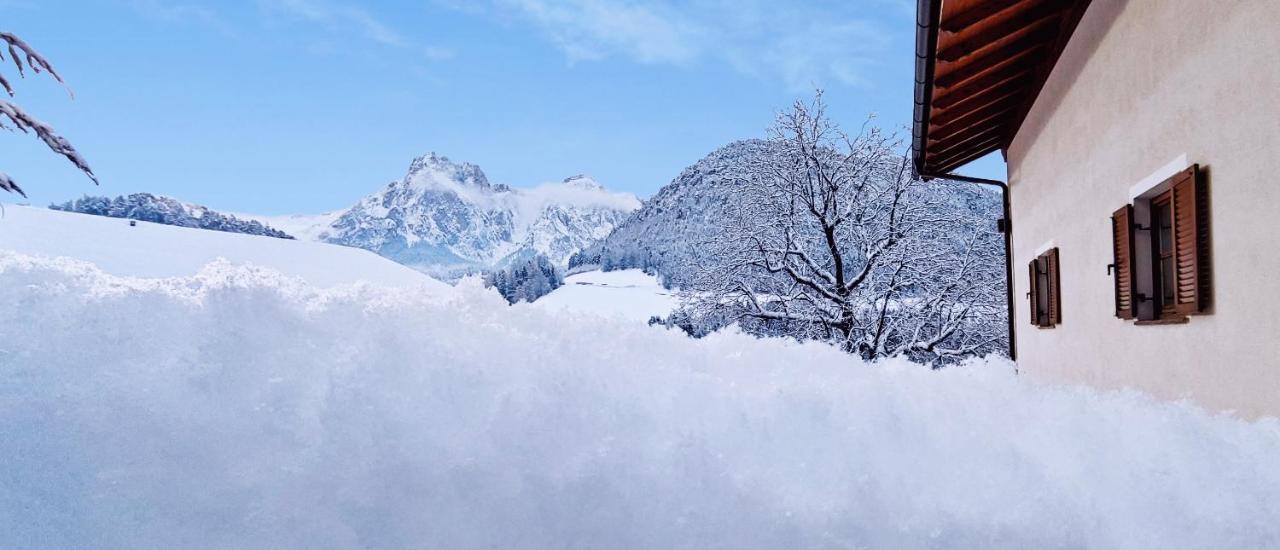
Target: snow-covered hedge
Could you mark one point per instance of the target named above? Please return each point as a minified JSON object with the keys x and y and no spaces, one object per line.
{"x":241,"y":409}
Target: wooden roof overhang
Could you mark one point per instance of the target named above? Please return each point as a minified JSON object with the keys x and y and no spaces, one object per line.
{"x":979,"y":66}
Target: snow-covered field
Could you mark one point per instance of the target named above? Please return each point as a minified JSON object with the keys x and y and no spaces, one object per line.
{"x":237,"y":408}
{"x":629,"y":294}
{"x":154,"y":250}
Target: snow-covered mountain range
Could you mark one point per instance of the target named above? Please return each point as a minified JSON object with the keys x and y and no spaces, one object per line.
{"x":446,"y":218}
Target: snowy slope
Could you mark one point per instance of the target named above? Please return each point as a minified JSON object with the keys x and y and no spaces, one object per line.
{"x":238,"y":410}
{"x":446,"y":218}
{"x":154,"y":250}
{"x":628,"y":294}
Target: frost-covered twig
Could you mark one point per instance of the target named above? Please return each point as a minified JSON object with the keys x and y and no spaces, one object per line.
{"x":36,"y":61}
{"x":56,"y":142}
{"x":18,"y":51}
{"x":9,"y":185}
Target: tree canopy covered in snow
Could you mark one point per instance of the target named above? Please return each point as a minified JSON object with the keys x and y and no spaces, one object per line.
{"x":168,"y":211}
{"x":19,"y":51}
{"x":525,"y":280}
{"x":833,"y":238}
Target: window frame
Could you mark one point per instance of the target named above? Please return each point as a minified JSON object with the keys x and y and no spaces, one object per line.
{"x":1139,"y":263}
{"x":1163,"y":302}
{"x":1045,"y":289}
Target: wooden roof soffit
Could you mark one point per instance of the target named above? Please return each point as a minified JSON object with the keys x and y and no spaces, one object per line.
{"x":979,"y":66}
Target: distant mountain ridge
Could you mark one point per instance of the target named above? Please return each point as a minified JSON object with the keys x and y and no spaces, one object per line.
{"x":168,"y":211}
{"x":663,"y":237}
{"x":447,"y":219}
{"x":443,"y":218}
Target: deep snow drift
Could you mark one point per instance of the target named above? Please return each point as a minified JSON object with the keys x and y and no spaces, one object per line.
{"x":242,"y":409}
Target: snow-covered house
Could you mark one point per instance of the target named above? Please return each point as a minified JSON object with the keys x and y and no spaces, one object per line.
{"x":1139,"y":137}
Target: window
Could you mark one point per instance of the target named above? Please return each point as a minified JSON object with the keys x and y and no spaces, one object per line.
{"x":1160,"y":247}
{"x":1044,"y":294}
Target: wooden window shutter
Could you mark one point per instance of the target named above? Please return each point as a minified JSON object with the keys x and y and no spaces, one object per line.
{"x":1122,"y":250}
{"x":1034,"y":293}
{"x":1054,"y":280}
{"x":1190,"y":242}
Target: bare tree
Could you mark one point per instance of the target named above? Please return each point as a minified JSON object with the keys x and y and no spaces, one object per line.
{"x":20,"y":51}
{"x":834,"y":239}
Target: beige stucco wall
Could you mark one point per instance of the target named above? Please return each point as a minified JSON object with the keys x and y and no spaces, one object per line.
{"x":1140,"y":83}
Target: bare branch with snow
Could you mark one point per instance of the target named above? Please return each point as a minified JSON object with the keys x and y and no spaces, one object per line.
{"x":835,"y":240}
{"x":20,"y":51}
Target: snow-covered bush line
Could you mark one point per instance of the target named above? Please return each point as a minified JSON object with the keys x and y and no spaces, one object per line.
{"x":241,"y":409}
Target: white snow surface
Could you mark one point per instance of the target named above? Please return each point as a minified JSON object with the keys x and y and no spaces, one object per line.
{"x":238,"y":408}
{"x":628,"y":294}
{"x":156,"y":250}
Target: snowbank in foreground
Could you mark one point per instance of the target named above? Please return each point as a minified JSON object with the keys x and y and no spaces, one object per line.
{"x":627,"y":293}
{"x":240,"y":409}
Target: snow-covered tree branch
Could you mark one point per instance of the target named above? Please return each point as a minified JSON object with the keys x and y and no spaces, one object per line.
{"x":24,"y":57}
{"x":834,"y":239}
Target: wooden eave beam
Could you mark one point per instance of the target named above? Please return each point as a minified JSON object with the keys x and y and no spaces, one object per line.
{"x":960,"y":143}
{"x":1006,"y":94}
{"x":971,"y":120}
{"x":1024,"y":42}
{"x":979,"y":11}
{"x":1024,"y":57}
{"x":997,"y":77}
{"x":976,"y":37}
{"x":968,"y":155}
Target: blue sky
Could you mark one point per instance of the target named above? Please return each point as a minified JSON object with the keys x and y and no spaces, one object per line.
{"x":283,"y":106}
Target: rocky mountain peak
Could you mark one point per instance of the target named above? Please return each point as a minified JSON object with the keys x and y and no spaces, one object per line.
{"x":435,"y":166}
{"x":583,"y":181}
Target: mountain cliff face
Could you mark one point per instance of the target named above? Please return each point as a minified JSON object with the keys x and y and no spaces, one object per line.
{"x":168,"y":211}
{"x":447,"y":219}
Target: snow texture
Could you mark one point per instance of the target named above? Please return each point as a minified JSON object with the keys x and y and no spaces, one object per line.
{"x":155,"y":250}
{"x":627,"y":294}
{"x":241,"y":409}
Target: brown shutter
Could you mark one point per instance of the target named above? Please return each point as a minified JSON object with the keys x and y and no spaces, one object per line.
{"x":1034,"y":294}
{"x":1054,"y":307}
{"x":1122,"y":251}
{"x":1190,"y":242}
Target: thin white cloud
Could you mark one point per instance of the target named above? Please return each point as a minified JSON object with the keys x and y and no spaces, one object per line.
{"x":172,"y":12}
{"x":593,"y":29}
{"x":342,"y":18}
{"x":801,"y":43}
{"x":339,"y":17}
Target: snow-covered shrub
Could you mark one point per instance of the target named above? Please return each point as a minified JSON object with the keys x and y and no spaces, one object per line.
{"x":241,"y":409}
